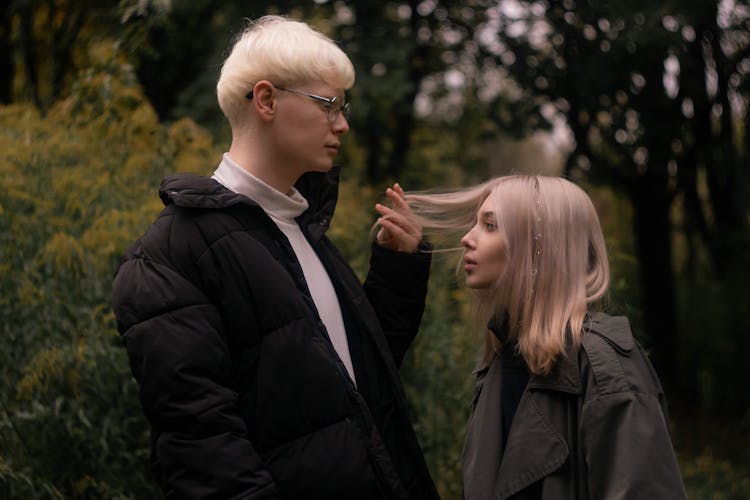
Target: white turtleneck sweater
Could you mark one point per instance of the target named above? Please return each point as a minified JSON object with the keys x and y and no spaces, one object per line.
{"x":283,"y":209}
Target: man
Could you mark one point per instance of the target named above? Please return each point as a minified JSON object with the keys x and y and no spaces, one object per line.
{"x":265,"y":369}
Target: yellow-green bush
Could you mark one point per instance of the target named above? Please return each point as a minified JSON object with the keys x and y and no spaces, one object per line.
{"x":77,"y":186}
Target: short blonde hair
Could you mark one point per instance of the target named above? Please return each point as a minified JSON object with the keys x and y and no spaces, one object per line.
{"x":556,"y":258}
{"x":281,"y":50}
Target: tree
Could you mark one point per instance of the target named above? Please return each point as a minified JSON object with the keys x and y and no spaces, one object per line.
{"x":652,"y":94}
{"x":45,"y":43}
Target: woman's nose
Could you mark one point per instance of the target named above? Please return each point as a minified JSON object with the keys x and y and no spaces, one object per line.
{"x":466,"y":240}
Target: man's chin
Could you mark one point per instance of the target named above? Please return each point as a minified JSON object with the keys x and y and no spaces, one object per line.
{"x":324,"y":168}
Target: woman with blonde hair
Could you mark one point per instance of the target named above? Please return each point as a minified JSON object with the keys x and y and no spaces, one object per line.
{"x":567,"y":403}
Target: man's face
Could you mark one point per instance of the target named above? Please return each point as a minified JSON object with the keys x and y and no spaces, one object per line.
{"x":305,"y":139}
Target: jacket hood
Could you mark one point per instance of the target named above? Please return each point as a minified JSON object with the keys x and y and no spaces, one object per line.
{"x":197,"y":191}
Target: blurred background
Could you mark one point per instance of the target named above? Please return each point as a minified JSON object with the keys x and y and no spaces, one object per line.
{"x":643,"y":103}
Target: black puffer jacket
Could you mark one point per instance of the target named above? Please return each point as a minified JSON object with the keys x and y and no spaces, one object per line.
{"x":244,"y":392}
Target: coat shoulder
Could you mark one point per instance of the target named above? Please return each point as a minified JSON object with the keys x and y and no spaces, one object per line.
{"x":615,"y":330}
{"x":617,"y":362}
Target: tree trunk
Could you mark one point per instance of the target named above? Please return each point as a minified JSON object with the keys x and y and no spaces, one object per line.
{"x":29,"y":49}
{"x":722,"y":175}
{"x":402,"y":139}
{"x":6,"y":63}
{"x":64,"y":42}
{"x":651,"y":206}
{"x":374,"y":152}
{"x":417,"y":68}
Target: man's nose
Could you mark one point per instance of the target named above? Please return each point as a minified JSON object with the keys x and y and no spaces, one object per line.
{"x":341,"y":124}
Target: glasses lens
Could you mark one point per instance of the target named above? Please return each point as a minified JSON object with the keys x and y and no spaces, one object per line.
{"x":336,"y":109}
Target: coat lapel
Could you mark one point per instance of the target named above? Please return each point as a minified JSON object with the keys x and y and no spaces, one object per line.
{"x":534,"y":449}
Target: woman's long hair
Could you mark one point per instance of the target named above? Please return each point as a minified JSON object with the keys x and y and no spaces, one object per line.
{"x":556,"y":258}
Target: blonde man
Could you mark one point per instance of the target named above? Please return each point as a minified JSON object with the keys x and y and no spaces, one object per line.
{"x":265,"y":369}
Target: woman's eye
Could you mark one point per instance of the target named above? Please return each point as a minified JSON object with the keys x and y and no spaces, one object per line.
{"x":490,"y":226}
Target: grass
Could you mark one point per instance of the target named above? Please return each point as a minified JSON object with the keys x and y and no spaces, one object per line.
{"x":714,"y":456}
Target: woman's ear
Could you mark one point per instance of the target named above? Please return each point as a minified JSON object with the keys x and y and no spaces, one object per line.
{"x":264,"y":100}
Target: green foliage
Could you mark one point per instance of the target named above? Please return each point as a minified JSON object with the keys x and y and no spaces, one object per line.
{"x":78,"y":184}
{"x":630,"y":79}
{"x":438,"y":375}
{"x":76,"y":187}
{"x":714,"y":458}
{"x":708,"y":476}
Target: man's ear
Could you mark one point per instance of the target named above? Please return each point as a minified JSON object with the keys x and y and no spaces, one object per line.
{"x":264,"y":100}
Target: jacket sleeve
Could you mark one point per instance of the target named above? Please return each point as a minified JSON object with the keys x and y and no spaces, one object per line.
{"x":396,"y":286}
{"x":179,"y":357}
{"x":626,"y":444}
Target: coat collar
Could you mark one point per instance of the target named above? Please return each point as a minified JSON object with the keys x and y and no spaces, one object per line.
{"x":321,"y":191}
{"x":613,"y":329}
{"x":566,"y":376}
{"x":196,"y":191}
{"x":534,"y":448}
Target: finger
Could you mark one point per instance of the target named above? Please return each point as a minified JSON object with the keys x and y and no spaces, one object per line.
{"x":382,"y":236}
{"x":403,"y":221}
{"x":394,"y":230}
{"x":394,"y":237}
{"x":397,"y":187}
{"x":392,"y":212}
{"x":398,"y":200}
{"x":382,"y":209}
{"x":397,"y":238}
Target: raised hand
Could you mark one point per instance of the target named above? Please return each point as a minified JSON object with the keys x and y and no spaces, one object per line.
{"x":399,"y":230}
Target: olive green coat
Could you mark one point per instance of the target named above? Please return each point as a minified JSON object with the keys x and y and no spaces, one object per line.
{"x":594,"y":428}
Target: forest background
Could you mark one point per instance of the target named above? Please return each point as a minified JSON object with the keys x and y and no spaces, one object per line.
{"x":644,"y":104}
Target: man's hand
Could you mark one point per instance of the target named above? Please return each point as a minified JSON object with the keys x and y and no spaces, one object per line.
{"x":398,"y":229}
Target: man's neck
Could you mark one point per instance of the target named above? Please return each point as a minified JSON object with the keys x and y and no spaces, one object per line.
{"x":262,"y":165}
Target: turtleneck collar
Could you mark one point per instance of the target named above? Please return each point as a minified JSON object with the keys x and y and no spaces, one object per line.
{"x":280,"y":206}
{"x":498,"y":325}
{"x":508,"y":347}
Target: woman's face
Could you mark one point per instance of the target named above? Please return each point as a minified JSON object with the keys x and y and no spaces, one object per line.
{"x":485,"y":251}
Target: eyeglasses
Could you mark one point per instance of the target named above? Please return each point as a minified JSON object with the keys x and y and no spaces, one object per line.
{"x":332,"y":105}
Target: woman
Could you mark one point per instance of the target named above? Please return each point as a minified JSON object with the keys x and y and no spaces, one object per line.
{"x":567,"y":405}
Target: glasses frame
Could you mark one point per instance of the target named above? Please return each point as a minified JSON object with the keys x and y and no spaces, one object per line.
{"x":332,"y":111}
